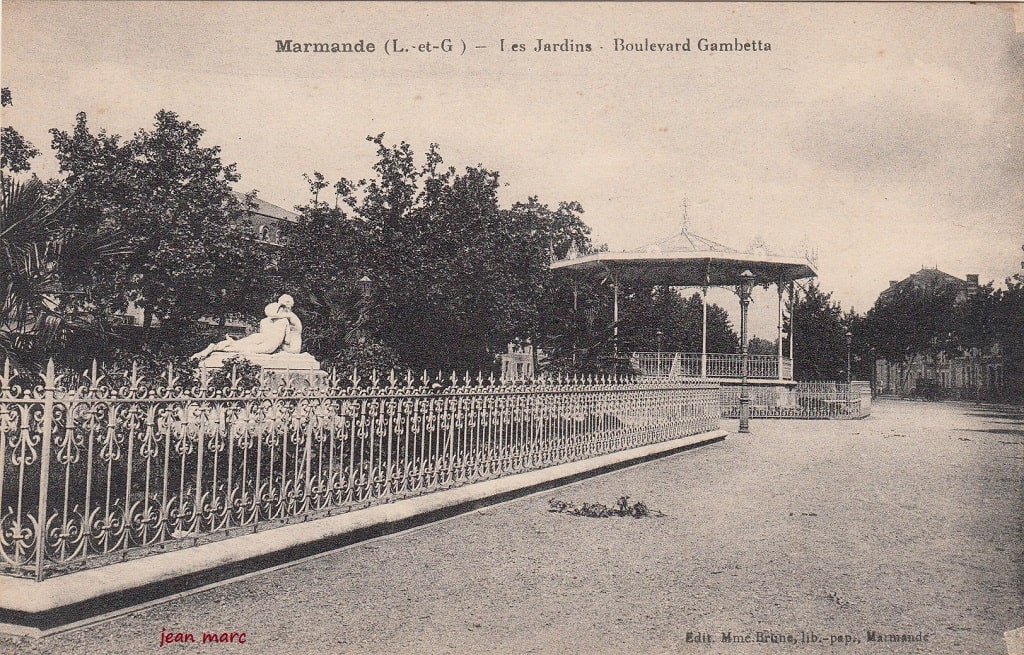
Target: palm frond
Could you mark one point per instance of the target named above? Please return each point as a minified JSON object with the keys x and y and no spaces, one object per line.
{"x":40,"y":256}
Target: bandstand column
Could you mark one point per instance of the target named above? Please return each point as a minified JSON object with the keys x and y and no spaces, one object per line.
{"x":779,"y":364}
{"x":615,"y":312}
{"x":792,"y":320}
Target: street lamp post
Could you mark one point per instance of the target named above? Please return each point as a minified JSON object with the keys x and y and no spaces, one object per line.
{"x":364,"y":284}
{"x":659,"y":334}
{"x":849,"y":342}
{"x":874,"y":370}
{"x":849,"y":376}
{"x":745,"y":288}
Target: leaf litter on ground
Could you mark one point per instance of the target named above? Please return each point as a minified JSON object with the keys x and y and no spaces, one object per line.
{"x":622,"y":508}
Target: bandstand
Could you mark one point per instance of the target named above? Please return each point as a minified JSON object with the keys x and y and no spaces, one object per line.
{"x":689,"y":260}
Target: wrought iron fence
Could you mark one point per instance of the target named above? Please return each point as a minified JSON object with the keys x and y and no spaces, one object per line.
{"x":104,"y":467}
{"x":804,"y":400}
{"x":715,"y":365}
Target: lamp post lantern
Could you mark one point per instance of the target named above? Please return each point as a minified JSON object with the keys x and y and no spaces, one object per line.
{"x":746,"y":286}
{"x":364,"y":285}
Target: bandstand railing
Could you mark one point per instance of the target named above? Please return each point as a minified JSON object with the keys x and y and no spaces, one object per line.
{"x":716,"y":365}
{"x":98,"y":468}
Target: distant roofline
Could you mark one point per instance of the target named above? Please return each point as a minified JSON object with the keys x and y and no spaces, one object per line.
{"x":949,"y":278}
{"x":269,"y":209}
{"x":933,"y":272}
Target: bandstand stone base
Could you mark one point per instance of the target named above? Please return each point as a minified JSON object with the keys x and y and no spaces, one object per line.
{"x":771,"y":392}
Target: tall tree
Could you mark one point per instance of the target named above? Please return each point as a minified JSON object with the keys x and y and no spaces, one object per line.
{"x":193,"y":254}
{"x":759,"y":346}
{"x":454,"y":275}
{"x":325,"y":253}
{"x":42,"y":260}
{"x":647,"y":311}
{"x":1008,"y":322}
{"x":912,"y":322}
{"x":17,"y":152}
{"x":820,"y":336}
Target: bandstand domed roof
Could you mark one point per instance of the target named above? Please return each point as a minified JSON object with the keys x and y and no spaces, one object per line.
{"x":688,"y":259}
{"x":685,"y":241}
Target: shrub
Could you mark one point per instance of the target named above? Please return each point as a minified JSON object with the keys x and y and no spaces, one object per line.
{"x":623,"y":507}
{"x":237,"y":374}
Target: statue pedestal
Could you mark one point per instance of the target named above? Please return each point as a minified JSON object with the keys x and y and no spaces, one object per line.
{"x":292,"y":370}
{"x":278,"y":362}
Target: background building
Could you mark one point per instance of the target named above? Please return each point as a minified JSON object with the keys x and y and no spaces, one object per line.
{"x":267,"y":220}
{"x":970,"y":373}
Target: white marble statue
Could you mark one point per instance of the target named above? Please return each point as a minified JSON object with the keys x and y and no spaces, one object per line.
{"x":293,"y":337}
{"x":269,"y":339}
{"x":277,"y":346}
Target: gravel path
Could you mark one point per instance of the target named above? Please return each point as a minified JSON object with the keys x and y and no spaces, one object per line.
{"x":909,"y":521}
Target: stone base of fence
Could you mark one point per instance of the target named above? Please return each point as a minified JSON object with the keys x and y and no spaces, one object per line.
{"x":35,"y":608}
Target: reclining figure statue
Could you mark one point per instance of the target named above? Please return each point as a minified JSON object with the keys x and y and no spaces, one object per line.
{"x":279,"y":332}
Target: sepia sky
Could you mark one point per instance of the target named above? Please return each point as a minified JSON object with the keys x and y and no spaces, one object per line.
{"x":887,"y":137}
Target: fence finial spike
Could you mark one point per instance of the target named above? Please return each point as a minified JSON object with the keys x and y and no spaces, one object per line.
{"x":455,"y":378}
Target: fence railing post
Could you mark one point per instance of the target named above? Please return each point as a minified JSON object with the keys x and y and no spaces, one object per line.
{"x":49,"y":385}
{"x":308,"y":463}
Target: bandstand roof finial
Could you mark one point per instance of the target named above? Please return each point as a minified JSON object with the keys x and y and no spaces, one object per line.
{"x":686,"y":217}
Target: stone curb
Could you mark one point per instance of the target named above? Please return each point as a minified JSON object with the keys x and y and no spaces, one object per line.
{"x":29,"y":607}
